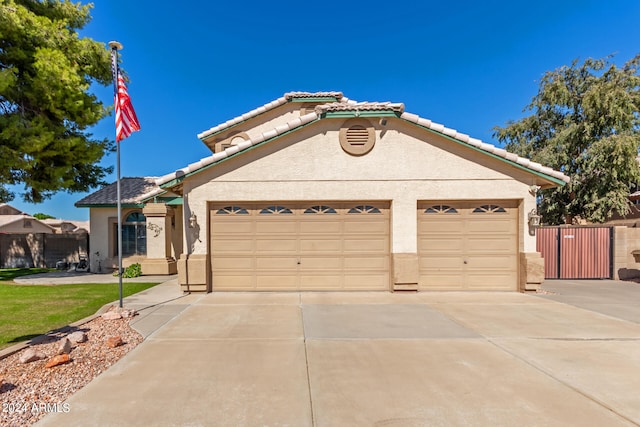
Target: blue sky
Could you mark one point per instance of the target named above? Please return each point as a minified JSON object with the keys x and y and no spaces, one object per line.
{"x":469,"y":65}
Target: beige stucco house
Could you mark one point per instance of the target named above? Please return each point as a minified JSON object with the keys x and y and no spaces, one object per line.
{"x":314,"y":191}
{"x":14,"y":221}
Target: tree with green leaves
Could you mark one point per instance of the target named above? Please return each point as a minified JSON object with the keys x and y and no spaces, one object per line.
{"x":43,"y":216}
{"x":46,"y":106}
{"x":585,"y":122}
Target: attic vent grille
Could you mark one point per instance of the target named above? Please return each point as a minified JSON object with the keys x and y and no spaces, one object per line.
{"x":357,"y":136}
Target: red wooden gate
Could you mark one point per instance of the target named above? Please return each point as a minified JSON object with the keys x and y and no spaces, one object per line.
{"x":576,"y":252}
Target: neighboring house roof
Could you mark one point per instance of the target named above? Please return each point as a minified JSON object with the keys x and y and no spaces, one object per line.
{"x":343,"y":107}
{"x":133,"y":191}
{"x":6,"y":220}
{"x":6,"y":209}
{"x":67,"y":226}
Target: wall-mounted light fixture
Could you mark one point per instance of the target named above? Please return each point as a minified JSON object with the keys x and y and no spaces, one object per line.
{"x":193,"y":221}
{"x":534,"y":221}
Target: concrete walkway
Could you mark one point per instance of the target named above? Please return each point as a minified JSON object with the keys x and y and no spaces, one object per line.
{"x":369,"y":359}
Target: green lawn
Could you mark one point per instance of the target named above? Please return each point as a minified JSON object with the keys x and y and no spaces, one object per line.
{"x":27,"y":311}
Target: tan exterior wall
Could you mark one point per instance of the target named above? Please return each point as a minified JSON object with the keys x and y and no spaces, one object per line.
{"x":626,"y":265}
{"x":401,"y":168}
{"x":406,"y":165}
{"x":102,"y":243}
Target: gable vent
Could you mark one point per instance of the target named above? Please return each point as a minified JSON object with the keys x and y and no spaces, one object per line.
{"x":357,"y":136}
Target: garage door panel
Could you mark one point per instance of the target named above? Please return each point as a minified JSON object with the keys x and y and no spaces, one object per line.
{"x":320,"y":246}
{"x":276,"y":227}
{"x":442,"y":281}
{"x":366,"y":263}
{"x":314,"y":247}
{"x":230,"y":263}
{"x":480,"y":263}
{"x":276,"y":263}
{"x":441,"y":227}
{"x":320,"y":264}
{"x":271,"y":245}
{"x":366,"y":282}
{"x":489,"y":245}
{"x":366,"y":245}
{"x":441,"y":262}
{"x":363,"y":226}
{"x":237,"y":245}
{"x":320,"y":227}
{"x":234,"y":228}
{"x":267,"y":282}
{"x":234,"y":282}
{"x":321,"y":282}
{"x":491,"y":282}
{"x":491,"y":226}
{"x":437,"y":245}
{"x":475,"y":248}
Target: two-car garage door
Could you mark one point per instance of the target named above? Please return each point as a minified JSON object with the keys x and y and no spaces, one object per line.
{"x":346,"y":245}
{"x":300,"y":246}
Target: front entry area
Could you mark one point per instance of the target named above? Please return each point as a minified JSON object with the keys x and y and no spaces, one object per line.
{"x":275,"y":246}
{"x":468,"y":245}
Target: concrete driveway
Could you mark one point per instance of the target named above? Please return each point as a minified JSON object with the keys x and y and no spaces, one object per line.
{"x":372,"y":359}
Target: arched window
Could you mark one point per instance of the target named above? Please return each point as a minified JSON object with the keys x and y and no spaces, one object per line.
{"x":134,"y":234}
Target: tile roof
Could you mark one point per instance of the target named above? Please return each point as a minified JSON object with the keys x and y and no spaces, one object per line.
{"x":291,"y":95}
{"x":132,"y":191}
{"x":346,"y":104}
{"x":287,"y":97}
{"x":360,"y":106}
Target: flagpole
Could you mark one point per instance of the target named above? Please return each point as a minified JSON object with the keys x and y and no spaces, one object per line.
{"x":115,"y":46}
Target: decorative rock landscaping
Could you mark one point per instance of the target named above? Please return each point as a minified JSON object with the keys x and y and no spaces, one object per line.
{"x":42,"y":376}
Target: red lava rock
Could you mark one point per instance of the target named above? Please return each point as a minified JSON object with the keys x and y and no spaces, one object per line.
{"x":113,"y":342}
{"x":60,"y":359}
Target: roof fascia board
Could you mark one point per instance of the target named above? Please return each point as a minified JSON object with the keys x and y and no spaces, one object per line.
{"x":179,"y":180}
{"x":110,"y":205}
{"x":502,"y":159}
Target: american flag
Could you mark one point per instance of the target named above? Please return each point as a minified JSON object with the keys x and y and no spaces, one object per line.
{"x":126,"y":119}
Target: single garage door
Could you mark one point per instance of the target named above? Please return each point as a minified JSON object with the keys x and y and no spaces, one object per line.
{"x":300,"y":246}
{"x":468,"y":245}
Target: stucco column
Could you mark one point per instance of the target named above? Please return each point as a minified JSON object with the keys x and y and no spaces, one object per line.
{"x":531,"y":261}
{"x":404,"y":247}
{"x":159,"y":259}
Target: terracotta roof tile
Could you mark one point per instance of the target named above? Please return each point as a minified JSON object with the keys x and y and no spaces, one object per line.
{"x":269,"y":106}
{"x":346,"y":104}
{"x":360,"y":106}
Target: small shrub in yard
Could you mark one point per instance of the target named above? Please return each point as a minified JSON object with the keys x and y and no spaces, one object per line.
{"x":134,"y":270}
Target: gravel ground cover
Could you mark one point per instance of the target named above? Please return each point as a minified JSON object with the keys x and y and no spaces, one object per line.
{"x":29,"y":391}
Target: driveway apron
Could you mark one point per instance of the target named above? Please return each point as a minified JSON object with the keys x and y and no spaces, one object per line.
{"x":372,"y":359}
